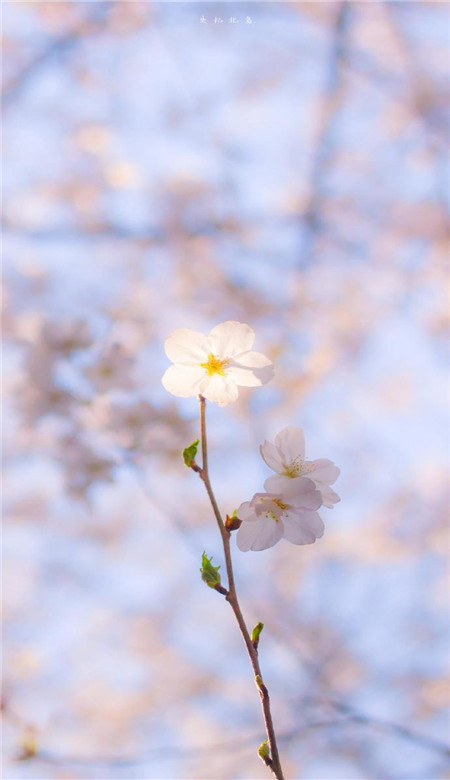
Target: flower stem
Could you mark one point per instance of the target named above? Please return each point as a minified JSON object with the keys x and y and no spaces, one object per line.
{"x":274,"y":760}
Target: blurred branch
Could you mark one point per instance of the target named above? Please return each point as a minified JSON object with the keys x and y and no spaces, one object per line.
{"x":354,"y":715}
{"x":422,"y":100}
{"x":333,"y":93}
{"x":162,"y":752}
{"x":91,"y":23}
{"x":175,"y":751}
{"x":420,"y":87}
{"x":391,"y":727}
{"x":151,"y":233}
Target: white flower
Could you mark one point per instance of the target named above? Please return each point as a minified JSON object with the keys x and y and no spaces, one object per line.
{"x":270,"y":516}
{"x":287,"y":457}
{"x":214,"y":365}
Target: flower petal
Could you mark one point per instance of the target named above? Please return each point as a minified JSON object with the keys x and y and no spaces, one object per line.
{"x":329,"y":497}
{"x":302,"y":528}
{"x":243,"y":377}
{"x":271,"y":456}
{"x":231,"y":338}
{"x":251,"y":369}
{"x":220,"y":390}
{"x":246,"y":511}
{"x":290,"y":443}
{"x":324,"y":471}
{"x":183,"y":381}
{"x":295,"y":491}
{"x":276,"y":483}
{"x":259,"y":535}
{"x":252,"y":360}
{"x":247,"y":534}
{"x":187,"y":346}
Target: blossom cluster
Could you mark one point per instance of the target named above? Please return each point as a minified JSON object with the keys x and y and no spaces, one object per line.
{"x":288,"y":507}
{"x":214,"y":366}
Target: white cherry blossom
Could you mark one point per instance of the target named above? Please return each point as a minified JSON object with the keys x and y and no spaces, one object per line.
{"x":286,"y":456}
{"x":215,"y":365}
{"x":268,"y":517}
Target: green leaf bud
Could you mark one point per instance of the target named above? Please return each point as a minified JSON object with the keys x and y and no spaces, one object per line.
{"x":256,"y":633}
{"x":210,"y":574}
{"x":264,"y":751}
{"x":190,"y":452}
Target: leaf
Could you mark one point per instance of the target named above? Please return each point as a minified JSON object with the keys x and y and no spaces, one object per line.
{"x":210,"y":574}
{"x":190,"y":452}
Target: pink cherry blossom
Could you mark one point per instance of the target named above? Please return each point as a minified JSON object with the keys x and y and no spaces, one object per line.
{"x":286,"y":456}
{"x":269,"y":517}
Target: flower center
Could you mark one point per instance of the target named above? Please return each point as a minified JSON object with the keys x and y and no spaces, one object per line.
{"x":273,"y":513}
{"x":214,"y":365}
{"x":296,"y":467}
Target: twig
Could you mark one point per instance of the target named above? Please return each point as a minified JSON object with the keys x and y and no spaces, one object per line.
{"x":396,"y":728}
{"x":330,"y":105}
{"x":273,"y":761}
{"x":421,"y":102}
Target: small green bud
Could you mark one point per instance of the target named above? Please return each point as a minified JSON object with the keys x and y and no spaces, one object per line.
{"x":261,"y":687}
{"x":233,"y":523}
{"x":256,"y":633}
{"x":190,"y":452}
{"x":210,"y":574}
{"x":264,"y":751}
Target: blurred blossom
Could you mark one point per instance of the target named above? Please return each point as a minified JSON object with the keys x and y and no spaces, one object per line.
{"x":291,"y":174}
{"x":112,"y":369}
{"x":134,"y":418}
{"x":39,"y":393}
{"x":83,"y":466}
{"x":67,"y":336}
{"x":45,"y":398}
{"x":136,"y":425}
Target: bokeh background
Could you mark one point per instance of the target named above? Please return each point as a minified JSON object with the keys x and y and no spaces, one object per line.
{"x":289,"y":170}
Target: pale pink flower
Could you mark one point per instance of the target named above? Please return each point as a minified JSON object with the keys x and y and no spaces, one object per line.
{"x":215,"y":365}
{"x":270,"y":516}
{"x":286,"y":456}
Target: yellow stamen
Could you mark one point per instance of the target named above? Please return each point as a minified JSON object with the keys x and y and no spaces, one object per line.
{"x":271,"y":513}
{"x":296,"y":468}
{"x":214,"y":365}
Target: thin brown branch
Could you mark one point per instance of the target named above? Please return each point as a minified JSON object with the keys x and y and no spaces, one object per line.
{"x":232,"y":598}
